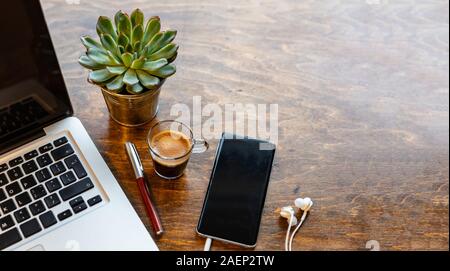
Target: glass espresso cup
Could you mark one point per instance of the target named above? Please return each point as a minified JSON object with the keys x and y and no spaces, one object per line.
{"x":171,"y":144}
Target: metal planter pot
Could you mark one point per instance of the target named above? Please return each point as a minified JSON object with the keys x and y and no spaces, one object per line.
{"x":132,"y":110}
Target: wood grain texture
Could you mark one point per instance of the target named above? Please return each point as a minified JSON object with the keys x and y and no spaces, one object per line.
{"x":363,"y":94}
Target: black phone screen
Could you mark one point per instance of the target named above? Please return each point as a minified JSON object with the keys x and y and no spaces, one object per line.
{"x":237,"y":189}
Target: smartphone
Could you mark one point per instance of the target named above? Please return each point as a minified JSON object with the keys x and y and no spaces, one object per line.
{"x":237,"y":189}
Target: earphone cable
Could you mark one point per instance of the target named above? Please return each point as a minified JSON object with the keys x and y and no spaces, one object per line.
{"x":286,"y":243}
{"x":208,"y":243}
{"x":296,"y":229}
{"x":294,"y":233}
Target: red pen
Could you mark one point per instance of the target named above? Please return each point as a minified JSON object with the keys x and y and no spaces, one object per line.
{"x":143,"y":188}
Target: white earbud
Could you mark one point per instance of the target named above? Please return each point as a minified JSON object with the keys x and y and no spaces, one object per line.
{"x":303,"y":204}
{"x":288,"y":212}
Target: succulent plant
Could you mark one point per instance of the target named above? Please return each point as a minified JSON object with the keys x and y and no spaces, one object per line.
{"x":130,"y":57}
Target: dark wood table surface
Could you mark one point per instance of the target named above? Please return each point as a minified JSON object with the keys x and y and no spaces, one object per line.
{"x":363,"y":94}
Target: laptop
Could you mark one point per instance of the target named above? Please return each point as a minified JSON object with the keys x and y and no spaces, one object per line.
{"x":56,"y":191}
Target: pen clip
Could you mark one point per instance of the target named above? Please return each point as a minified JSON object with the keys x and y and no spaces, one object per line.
{"x":135,"y":159}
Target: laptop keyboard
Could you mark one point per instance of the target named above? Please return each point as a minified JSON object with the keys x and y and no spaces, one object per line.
{"x":34,"y":186}
{"x":20,"y":116}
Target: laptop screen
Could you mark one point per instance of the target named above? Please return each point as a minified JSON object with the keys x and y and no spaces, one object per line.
{"x":32,"y":89}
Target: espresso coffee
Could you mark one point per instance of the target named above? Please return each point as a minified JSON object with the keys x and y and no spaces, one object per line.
{"x":170,"y":153}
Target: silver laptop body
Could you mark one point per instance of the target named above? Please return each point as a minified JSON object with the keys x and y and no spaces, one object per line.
{"x":56,"y":191}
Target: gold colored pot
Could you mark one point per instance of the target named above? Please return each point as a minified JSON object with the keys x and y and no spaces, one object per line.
{"x":132,"y":110}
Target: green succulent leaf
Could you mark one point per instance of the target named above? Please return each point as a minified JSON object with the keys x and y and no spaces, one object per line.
{"x":172,"y":59}
{"x":138,"y":32}
{"x":129,"y":48}
{"x":117,"y":17}
{"x":100,"y":57}
{"x":149,"y":81}
{"x":117,"y":84}
{"x":154,"y":65}
{"x":166,"y":52}
{"x":137,"y":17}
{"x":88,"y":63}
{"x":117,"y":60}
{"x":124,"y":25}
{"x":117,"y":69}
{"x":105,"y":26}
{"x":108,"y":42}
{"x":153,"y":26}
{"x":121,"y":49}
{"x":123,"y":40}
{"x":136,"y":47}
{"x":148,"y":49}
{"x":166,"y":38}
{"x":135,"y":89}
{"x":165,"y":71}
{"x":130,"y":77}
{"x":89,"y":43}
{"x":100,"y":76}
{"x":138,"y":63}
{"x":127,"y":59}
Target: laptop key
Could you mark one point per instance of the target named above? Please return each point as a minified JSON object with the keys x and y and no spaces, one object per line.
{"x":46,"y":148}
{"x":37,"y":207}
{"x":95,"y":200}
{"x":28,"y":182}
{"x":31,"y":155}
{"x":13,"y":189}
{"x":58,"y":168}
{"x":3,"y":167}
{"x":68,"y":178}
{"x":16,"y":161}
{"x":31,"y":227}
{"x":38,"y":192}
{"x":3,"y":179}
{"x":6,"y":222}
{"x":74,"y":163}
{"x":21,"y":215}
{"x":23,"y":199}
{"x":44,"y":160}
{"x":43,"y":175}
{"x":2,"y":195}
{"x":48,"y":219}
{"x":79,"y":170}
{"x":62,"y":152}
{"x":71,"y":161}
{"x":53,"y":185}
{"x":76,"y":189}
{"x":52,"y":200}
{"x":8,"y":206}
{"x":29,"y":167}
{"x":64,"y":215}
{"x":60,"y":141}
{"x":14,"y":173}
{"x":76,"y":201}
{"x":9,"y":238}
{"x":80,"y":207}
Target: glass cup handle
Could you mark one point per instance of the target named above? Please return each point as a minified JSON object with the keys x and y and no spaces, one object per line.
{"x":200,"y":146}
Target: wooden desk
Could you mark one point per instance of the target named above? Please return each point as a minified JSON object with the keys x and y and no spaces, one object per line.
{"x":363,"y":94}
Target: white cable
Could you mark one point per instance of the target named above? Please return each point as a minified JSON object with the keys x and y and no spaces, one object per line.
{"x":286,"y":247}
{"x":208,"y":243}
{"x":296,"y":229}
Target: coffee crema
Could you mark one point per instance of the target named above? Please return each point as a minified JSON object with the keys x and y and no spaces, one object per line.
{"x":170,"y":144}
{"x":173,"y":151}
